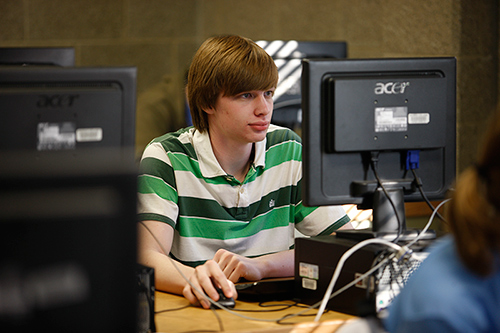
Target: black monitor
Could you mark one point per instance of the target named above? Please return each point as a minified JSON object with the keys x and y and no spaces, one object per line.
{"x":67,"y":108}
{"x":288,"y":56}
{"x":68,"y":242}
{"x":37,"y":56}
{"x":394,"y":116}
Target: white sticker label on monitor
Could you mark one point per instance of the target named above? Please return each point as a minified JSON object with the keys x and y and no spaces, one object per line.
{"x":89,"y":134}
{"x":309,"y":270}
{"x":391,"y":119}
{"x":309,"y":284}
{"x":56,"y":136}
{"x":419,"y":118}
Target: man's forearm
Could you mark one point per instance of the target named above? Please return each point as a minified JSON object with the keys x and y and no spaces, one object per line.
{"x":280,"y":264}
{"x":167,"y":277}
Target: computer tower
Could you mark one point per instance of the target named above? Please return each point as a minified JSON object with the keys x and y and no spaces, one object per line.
{"x":316,"y":259}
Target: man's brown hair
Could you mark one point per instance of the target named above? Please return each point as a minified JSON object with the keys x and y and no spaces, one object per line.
{"x":226,"y":65}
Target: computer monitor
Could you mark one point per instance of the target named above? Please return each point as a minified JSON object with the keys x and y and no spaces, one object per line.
{"x":37,"y":56}
{"x":394,"y":116}
{"x":67,"y":108}
{"x":287,"y":56}
{"x":68,"y":242}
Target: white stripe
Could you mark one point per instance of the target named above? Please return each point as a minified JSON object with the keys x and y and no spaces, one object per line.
{"x":266,"y":241}
{"x":274,"y":178}
{"x":155,"y":150}
{"x":152,"y":203}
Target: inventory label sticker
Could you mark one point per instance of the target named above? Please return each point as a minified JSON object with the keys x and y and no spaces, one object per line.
{"x":391,"y":119}
{"x":56,"y":136}
{"x":419,"y":118}
{"x":309,"y":284}
{"x":93,"y":134}
{"x":309,"y":270}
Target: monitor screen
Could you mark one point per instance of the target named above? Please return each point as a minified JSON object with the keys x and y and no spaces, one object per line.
{"x":68,"y":242}
{"x":37,"y":56}
{"x":288,"y":56}
{"x":67,"y":108}
{"x":388,"y":118}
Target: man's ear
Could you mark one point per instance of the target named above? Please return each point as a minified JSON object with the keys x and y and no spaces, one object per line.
{"x":209,"y":110}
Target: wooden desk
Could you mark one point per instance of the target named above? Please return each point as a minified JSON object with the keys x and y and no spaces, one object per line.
{"x":195,"y":319}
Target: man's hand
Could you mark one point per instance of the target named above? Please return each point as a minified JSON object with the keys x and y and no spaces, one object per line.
{"x":236,"y":266}
{"x":204,"y":280}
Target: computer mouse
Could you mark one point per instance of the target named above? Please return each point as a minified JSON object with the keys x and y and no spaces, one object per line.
{"x":223,"y":300}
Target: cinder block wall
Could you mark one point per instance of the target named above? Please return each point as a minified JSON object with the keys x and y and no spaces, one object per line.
{"x":160,"y":36}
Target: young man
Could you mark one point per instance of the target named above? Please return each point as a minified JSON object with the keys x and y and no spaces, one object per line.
{"x":223,"y":197}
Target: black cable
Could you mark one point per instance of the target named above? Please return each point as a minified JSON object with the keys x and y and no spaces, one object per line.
{"x":373,"y":163}
{"x":421,"y":190}
{"x":280,"y":307}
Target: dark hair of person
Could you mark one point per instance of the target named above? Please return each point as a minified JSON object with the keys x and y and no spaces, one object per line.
{"x":473,"y":214}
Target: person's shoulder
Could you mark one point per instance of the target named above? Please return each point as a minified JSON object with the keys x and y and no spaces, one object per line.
{"x":277,"y":134}
{"x":175,"y":141}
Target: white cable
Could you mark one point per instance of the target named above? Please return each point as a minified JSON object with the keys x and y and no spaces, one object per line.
{"x":427,"y":226}
{"x":340,"y":264}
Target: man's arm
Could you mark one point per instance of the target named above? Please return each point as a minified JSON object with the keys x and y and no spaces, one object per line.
{"x":236,"y":267}
{"x":280,"y":264}
{"x":168,"y":278}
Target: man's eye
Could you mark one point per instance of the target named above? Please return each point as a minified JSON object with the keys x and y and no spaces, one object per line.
{"x":245,"y":95}
{"x":270,"y":93}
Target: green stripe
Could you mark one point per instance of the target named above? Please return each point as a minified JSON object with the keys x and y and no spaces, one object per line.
{"x":275,"y":154}
{"x":158,"y":168}
{"x":155,"y":217}
{"x":338,"y":224}
{"x":211,"y":209}
{"x":280,"y":135}
{"x":148,"y":184}
{"x":216,"y":229}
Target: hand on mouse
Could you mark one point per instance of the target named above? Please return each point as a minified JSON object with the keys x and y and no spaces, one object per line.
{"x":206,"y":278}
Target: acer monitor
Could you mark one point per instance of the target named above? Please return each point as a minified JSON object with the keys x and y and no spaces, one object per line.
{"x":53,"y":108}
{"x":68,"y":242}
{"x":388,"y":118}
{"x":37,"y":56}
{"x":288,"y":56}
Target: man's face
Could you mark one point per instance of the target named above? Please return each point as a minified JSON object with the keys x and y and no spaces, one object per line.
{"x":243,"y":118}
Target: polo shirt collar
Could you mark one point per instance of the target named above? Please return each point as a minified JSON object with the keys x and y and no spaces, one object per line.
{"x":209,"y":166}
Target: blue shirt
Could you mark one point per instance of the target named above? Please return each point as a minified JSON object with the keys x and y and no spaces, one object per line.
{"x":444,"y":296}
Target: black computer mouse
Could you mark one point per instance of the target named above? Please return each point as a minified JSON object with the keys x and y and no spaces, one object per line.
{"x":223,"y":300}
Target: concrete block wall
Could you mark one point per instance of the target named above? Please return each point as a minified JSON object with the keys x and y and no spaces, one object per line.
{"x":160,"y":36}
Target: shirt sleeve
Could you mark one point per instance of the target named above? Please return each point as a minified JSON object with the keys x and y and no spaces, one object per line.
{"x":157,"y":193}
{"x":321,"y":220}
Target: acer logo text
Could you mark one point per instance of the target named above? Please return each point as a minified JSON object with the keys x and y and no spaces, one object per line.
{"x":391,"y":88}
{"x":56,"y":101}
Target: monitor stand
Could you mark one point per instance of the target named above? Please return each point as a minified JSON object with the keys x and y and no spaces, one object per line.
{"x":386,"y":224}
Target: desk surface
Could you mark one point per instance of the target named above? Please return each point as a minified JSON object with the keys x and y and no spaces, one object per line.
{"x":184,"y":318}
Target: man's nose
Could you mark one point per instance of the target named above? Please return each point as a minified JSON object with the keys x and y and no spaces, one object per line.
{"x":263,"y":104}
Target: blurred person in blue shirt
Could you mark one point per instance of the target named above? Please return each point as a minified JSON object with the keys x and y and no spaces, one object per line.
{"x":457,"y":288}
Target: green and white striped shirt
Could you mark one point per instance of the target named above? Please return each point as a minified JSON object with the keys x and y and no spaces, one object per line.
{"x":182,"y":184}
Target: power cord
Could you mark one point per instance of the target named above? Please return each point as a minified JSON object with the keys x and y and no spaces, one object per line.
{"x":374,"y":163}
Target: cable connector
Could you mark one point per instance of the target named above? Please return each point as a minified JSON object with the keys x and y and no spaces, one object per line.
{"x":404,"y":253}
{"x":412,"y":159}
